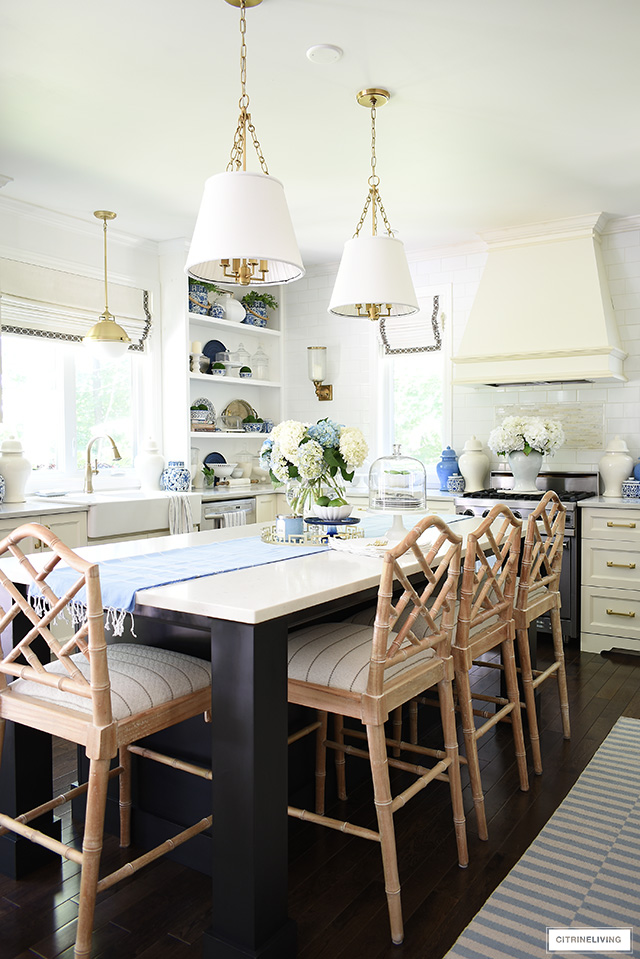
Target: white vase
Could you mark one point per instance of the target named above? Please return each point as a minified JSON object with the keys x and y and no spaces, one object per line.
{"x":525,"y":467}
{"x":473,"y":465}
{"x":615,"y":466}
{"x":15,"y":469}
{"x":148,"y":465}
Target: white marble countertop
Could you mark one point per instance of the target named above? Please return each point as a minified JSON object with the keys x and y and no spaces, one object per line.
{"x":38,"y":507}
{"x":252,"y":595}
{"x":611,"y":502}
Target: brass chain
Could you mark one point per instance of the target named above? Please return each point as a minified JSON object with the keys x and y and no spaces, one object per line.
{"x":238,"y":150}
{"x":373,"y":199}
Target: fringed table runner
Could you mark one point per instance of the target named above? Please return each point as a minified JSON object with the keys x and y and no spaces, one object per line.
{"x":122,"y":578}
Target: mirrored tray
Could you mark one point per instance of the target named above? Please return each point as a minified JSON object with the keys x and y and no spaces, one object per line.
{"x":310,"y":537}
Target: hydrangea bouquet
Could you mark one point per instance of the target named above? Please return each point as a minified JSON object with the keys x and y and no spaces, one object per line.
{"x":526,"y":433}
{"x":319,"y":458}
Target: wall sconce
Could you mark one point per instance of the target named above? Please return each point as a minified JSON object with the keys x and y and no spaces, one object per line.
{"x":317,"y":360}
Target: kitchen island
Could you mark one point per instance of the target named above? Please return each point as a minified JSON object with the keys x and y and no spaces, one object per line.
{"x":245,"y":616}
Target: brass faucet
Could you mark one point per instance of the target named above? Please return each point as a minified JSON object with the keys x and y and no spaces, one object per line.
{"x":90,"y":471}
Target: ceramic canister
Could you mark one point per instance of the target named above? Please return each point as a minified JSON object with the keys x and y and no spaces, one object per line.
{"x":148,"y":465}
{"x":473,"y":464}
{"x":615,"y":466}
{"x":176,"y":478}
{"x":15,"y":469}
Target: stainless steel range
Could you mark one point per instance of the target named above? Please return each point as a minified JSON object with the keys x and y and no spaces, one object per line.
{"x":570,"y":487}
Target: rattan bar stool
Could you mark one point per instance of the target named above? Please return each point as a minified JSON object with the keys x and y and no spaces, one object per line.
{"x":101,"y":697}
{"x":485,"y":622}
{"x":365,"y":672}
{"x":538,"y":592}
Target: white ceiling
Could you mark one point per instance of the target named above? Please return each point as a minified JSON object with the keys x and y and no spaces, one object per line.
{"x":502,"y":111}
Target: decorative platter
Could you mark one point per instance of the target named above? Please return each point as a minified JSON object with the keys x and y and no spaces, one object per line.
{"x":211,"y":413}
{"x":212,"y":348}
{"x":214,"y":458}
{"x":239,"y":408}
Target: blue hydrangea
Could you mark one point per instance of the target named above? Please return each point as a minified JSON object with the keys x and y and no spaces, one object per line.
{"x":265,"y":451}
{"x":326,"y":432}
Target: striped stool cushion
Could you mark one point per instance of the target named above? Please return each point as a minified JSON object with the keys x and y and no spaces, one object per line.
{"x":337,"y":655}
{"x":141,"y":677}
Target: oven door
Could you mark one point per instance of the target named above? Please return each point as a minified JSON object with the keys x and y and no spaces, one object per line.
{"x":569,"y":594}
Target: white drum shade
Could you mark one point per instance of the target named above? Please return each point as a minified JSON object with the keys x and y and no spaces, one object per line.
{"x":373,"y":269}
{"x":244,"y":216}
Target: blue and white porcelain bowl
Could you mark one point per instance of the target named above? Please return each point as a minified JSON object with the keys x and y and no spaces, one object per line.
{"x":246,"y":376}
{"x":253,"y":427}
{"x":176,"y":478}
{"x":222,"y":372}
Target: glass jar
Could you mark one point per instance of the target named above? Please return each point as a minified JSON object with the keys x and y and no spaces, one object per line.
{"x":260,"y":364}
{"x":242,"y":356}
{"x":397,"y":483}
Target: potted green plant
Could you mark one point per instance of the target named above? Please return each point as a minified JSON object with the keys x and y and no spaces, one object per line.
{"x":256,"y":302}
{"x":218,"y":369}
{"x":199,"y":413}
{"x":245,"y":372}
{"x":209,"y":476}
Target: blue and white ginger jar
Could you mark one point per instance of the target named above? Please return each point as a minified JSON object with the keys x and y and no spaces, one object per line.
{"x":447,"y":466}
{"x":176,"y":478}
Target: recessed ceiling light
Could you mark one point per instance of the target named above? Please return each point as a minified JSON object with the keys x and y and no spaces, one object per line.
{"x":324,"y":53}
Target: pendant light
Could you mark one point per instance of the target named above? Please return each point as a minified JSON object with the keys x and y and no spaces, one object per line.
{"x":243,"y":234}
{"x":107,"y":338}
{"x":373,"y":278}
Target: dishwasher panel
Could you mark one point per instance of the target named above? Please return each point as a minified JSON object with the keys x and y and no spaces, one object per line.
{"x":231,"y":512}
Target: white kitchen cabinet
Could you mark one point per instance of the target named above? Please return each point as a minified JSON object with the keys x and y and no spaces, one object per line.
{"x":70,"y":527}
{"x":266,"y":508}
{"x":179,"y":329}
{"x":610,"y":593}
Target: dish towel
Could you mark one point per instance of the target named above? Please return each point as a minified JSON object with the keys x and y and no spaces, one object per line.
{"x":237,"y":518}
{"x":180,"y":518}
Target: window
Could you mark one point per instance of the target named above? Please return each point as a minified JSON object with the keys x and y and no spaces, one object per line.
{"x":57,"y":395}
{"x":417,"y":386}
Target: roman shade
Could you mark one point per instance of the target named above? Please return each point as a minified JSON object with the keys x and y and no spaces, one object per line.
{"x":415,"y":332}
{"x":41,"y":301}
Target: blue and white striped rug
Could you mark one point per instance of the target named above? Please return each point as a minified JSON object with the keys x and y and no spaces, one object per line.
{"x":582,"y":870}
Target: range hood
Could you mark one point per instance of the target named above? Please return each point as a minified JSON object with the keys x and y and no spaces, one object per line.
{"x":543,"y":313}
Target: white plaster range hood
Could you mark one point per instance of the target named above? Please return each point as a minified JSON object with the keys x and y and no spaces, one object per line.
{"x":543,"y":312}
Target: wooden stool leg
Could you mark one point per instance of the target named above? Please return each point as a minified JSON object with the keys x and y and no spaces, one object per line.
{"x":463,"y":686}
{"x":124,"y":758}
{"x":382,"y":799}
{"x":413,"y":722}
{"x":511,"y":679}
{"x":321,"y":761}
{"x":91,"y":851}
{"x":397,"y":728}
{"x":558,"y":649}
{"x":341,"y":778}
{"x":529,"y":698}
{"x":448,"y":717}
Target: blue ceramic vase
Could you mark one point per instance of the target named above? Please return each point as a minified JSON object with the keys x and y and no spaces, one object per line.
{"x":447,"y":466}
{"x":176,"y":478}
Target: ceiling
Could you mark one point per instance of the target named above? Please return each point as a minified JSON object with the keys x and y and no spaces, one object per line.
{"x":501,"y":113}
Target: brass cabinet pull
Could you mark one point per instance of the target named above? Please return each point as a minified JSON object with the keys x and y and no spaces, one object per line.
{"x":614,"y":612}
{"x":621,"y":565}
{"x":625,"y":525}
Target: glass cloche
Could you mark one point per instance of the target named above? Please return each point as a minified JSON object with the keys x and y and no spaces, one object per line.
{"x":397,"y":484}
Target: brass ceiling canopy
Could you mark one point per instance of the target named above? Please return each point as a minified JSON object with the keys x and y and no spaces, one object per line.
{"x":247,"y":3}
{"x":373,"y":97}
{"x":105,"y":215}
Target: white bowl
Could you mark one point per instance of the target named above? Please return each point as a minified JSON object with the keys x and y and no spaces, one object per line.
{"x":223,"y":470}
{"x":332,"y":512}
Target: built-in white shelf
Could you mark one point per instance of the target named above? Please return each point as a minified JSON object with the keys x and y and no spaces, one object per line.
{"x":222,"y":324}
{"x":226,"y":380}
{"x":222,"y":435}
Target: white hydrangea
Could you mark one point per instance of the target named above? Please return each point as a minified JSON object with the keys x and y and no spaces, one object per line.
{"x":526,"y":433}
{"x":353,"y":446}
{"x":279,"y":465}
{"x":288,"y":435}
{"x":310,"y":460}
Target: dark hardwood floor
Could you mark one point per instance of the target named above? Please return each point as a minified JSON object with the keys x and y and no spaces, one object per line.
{"x":336,"y":890}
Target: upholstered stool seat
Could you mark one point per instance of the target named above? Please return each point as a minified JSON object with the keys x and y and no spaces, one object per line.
{"x":142,"y":677}
{"x":338,"y":655}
